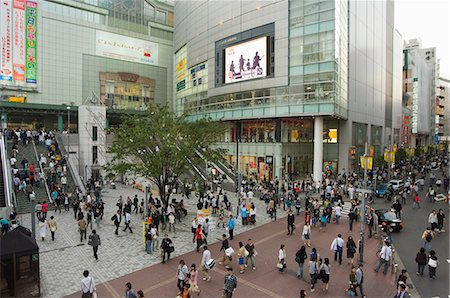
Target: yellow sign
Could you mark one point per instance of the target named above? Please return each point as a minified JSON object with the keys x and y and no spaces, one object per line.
{"x":392,"y":156}
{"x":366,"y":162}
{"x":394,"y":148}
{"x":386,"y":156}
{"x":16,"y":99}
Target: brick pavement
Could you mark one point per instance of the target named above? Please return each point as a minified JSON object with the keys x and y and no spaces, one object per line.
{"x":63,"y":260}
{"x":159,"y":280}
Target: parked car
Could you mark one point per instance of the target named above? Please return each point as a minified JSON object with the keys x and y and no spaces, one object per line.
{"x":381,"y":190}
{"x":388,"y":221}
{"x":397,"y":184}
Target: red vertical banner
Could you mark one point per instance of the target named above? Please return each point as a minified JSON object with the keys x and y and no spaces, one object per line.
{"x":405,"y":129}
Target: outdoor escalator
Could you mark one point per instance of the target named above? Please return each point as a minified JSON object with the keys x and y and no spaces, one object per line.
{"x":2,"y":183}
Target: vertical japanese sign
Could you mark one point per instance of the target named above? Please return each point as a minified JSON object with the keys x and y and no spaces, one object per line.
{"x":31,"y":40}
{"x":5,"y":40}
{"x":19,"y":40}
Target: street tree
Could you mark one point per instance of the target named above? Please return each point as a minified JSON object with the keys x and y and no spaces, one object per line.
{"x":161,"y":146}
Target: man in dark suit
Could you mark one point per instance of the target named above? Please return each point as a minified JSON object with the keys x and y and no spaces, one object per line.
{"x":117,"y":219}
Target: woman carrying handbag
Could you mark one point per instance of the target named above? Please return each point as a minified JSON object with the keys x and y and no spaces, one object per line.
{"x":281,"y":258}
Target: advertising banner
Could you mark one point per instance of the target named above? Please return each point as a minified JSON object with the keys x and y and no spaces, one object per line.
{"x":126,"y":48}
{"x":180,"y":69}
{"x":246,"y":61}
{"x":6,"y":72}
{"x":19,"y":40}
{"x":31,"y":42}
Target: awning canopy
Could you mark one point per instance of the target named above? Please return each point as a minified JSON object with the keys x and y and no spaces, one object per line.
{"x":18,"y":243}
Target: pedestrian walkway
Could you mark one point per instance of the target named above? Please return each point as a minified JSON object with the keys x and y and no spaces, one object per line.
{"x":63,"y":260}
{"x":159,"y":280}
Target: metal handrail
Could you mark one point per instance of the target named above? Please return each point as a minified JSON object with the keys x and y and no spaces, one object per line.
{"x":75,"y":176}
{"x":10,"y":196}
{"x":42,"y":171}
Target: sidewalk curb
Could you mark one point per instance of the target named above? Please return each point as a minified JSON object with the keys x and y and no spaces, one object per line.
{"x":412,"y":287}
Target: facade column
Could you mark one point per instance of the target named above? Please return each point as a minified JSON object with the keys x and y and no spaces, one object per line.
{"x":60,"y":122}
{"x":318,"y":149}
{"x":4,"y":120}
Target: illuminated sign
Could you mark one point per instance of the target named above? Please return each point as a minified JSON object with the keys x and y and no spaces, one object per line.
{"x":246,"y":61}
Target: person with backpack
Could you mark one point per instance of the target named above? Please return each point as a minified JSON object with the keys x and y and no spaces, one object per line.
{"x":427,"y":236}
{"x":337,"y":245}
{"x":300,"y":258}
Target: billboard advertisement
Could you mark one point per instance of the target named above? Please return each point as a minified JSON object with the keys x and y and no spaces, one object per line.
{"x":246,"y":61}
{"x":6,"y":71}
{"x":126,"y":48}
{"x":180,"y":69}
{"x":19,"y":40}
{"x":31,"y":42}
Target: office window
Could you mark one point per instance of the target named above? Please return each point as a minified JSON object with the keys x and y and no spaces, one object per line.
{"x":94,"y":133}
{"x":94,"y":155}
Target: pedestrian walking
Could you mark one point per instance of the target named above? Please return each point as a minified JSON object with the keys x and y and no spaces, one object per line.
{"x":359,"y":274}
{"x":42,"y":228}
{"x":230,"y":283}
{"x":416,"y":201}
{"x":281,"y":258}
{"x":241,"y":257}
{"x":207,"y":263}
{"x":351,"y":249}
{"x":421,"y":260}
{"x":402,"y":292}
{"x":433,"y":220}
{"x":306,"y":234}
{"x":82,"y":226}
{"x":166,"y":248}
{"x":337,"y":213}
{"x":52,"y":225}
{"x":194,"y":228}
{"x":87,"y":285}
{"x":182,"y":272}
{"x":370,"y":222}
{"x":385,"y":256}
{"x":148,"y":241}
{"x":171,"y":219}
{"x":433,"y":263}
{"x":290,"y":221}
{"x":427,"y":237}
{"x":250,"y":247}
{"x":117,"y":218}
{"x":324,"y":271}
{"x":199,"y":237}
{"x":128,"y":222}
{"x":440,"y":221}
{"x":155,"y":237}
{"x":352,"y":282}
{"x":300,"y":258}
{"x":95,"y":242}
{"x":337,"y":245}
{"x":231,"y":226}
{"x":140,"y":294}
{"x":129,"y":291}
{"x":313,"y":270}
{"x":193,"y":276}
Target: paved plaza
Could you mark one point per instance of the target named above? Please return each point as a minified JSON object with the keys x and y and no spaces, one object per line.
{"x":159,"y":281}
{"x":64,"y":260}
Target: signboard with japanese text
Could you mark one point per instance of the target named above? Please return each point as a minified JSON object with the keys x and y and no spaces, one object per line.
{"x":126,"y":48}
{"x":6,"y":71}
{"x":31,"y":42}
{"x":19,"y":40}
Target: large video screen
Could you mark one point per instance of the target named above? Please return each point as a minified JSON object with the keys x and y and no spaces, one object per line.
{"x":246,"y":61}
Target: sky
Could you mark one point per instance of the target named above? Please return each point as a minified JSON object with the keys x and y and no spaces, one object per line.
{"x":430,"y":21}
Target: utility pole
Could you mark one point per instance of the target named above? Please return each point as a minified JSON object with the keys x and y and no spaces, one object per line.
{"x":363,"y":208}
{"x":33,"y":216}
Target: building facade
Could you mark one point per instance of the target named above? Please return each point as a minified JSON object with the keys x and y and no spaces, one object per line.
{"x":443,"y":109}
{"x":87,"y":62}
{"x":302,"y":84}
{"x":420,"y":74}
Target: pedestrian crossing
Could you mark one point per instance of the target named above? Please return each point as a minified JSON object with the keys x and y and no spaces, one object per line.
{"x":346,"y":207}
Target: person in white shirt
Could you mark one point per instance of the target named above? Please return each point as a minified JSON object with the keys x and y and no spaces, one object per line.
{"x":250,"y":195}
{"x":87,"y":285}
{"x":385,"y":257}
{"x":43,"y":161}
{"x":155,"y":240}
{"x":282,"y":258}
{"x":337,"y":245}
{"x":337,"y":213}
{"x":306,"y":234}
{"x":432,"y":220}
{"x":128,"y":222}
{"x":206,"y":263}
{"x":13,"y":161}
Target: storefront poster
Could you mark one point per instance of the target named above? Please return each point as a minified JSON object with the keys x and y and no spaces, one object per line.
{"x":6,"y":72}
{"x":19,"y":40}
{"x":31,"y":42}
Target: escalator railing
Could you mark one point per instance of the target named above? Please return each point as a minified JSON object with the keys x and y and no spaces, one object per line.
{"x":8,"y":194}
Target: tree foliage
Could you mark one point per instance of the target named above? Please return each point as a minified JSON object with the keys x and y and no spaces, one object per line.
{"x":160,"y":144}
